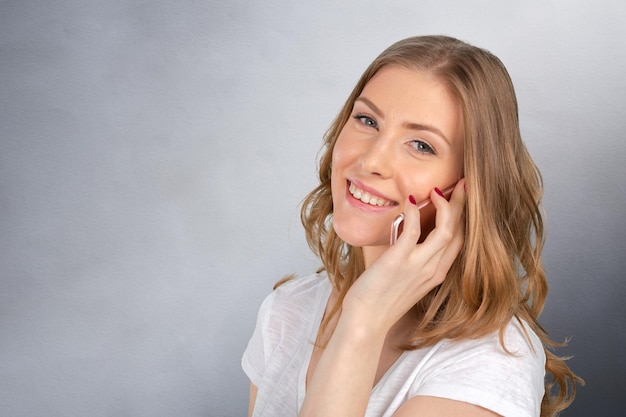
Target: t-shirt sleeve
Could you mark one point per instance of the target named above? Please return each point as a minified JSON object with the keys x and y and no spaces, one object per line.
{"x":480,"y":372}
{"x":258,"y":349}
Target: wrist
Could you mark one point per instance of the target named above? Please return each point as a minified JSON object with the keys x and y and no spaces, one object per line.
{"x":361,"y":325}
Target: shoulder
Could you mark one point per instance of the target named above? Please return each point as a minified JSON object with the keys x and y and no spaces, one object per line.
{"x":295,"y":300}
{"x":520,"y":338}
{"x":507,"y":378}
{"x":519,"y":344}
{"x":301,"y":290}
{"x":305,"y":284}
{"x":284,"y":320}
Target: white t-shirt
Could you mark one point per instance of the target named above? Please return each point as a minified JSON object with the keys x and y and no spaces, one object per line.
{"x":476,"y":371}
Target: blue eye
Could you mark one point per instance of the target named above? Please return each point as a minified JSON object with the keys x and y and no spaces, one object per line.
{"x":366,"y":121}
{"x":422,"y":147}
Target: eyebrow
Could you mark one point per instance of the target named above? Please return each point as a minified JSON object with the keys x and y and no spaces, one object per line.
{"x":408,"y":125}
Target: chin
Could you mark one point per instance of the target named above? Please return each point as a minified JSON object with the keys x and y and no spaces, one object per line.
{"x":360,"y":236}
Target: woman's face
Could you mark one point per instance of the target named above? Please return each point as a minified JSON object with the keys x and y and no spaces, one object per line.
{"x":404,"y":137}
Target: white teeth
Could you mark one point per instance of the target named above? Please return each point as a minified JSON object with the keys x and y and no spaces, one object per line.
{"x":365,"y":197}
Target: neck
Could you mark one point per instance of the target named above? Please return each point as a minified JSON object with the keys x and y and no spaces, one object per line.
{"x":372,"y":253}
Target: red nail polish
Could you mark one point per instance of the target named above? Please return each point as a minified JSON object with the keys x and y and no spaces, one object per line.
{"x":412,"y":200}
{"x":438,"y":191}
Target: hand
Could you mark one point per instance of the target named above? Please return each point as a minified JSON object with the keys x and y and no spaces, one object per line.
{"x":407,"y":271}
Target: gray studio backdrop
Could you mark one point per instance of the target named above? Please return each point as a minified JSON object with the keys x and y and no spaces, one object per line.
{"x":153,"y":155}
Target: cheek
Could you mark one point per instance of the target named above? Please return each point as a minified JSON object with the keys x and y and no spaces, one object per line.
{"x":335,"y":166}
{"x":347,"y":150}
{"x":336,"y":173}
{"x":339,"y":150}
{"x":340,"y":158}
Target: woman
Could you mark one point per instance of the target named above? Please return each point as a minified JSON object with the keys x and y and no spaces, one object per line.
{"x":445,"y":321}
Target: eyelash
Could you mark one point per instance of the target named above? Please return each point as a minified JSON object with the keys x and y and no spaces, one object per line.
{"x":363,"y":119}
{"x":419,"y":145}
{"x":422,"y":147}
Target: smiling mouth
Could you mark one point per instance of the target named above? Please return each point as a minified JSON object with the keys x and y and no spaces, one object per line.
{"x":367,"y":198}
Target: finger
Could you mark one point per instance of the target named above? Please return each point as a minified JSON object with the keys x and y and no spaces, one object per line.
{"x":459,"y":193}
{"x":417,"y":207}
{"x":452,"y":218}
{"x":449,"y":224}
{"x":411,"y":229}
{"x":452,"y":250}
{"x":449,"y":212}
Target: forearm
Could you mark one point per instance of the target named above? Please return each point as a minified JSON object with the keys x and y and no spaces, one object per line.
{"x":344,"y":376}
{"x":377,"y":302}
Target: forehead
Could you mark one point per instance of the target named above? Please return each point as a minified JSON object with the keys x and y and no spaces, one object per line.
{"x":408,"y":95}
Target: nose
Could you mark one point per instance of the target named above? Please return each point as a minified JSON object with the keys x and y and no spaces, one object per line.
{"x":378,"y":156}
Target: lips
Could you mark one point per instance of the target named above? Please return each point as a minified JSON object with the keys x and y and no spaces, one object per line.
{"x":369,"y":197}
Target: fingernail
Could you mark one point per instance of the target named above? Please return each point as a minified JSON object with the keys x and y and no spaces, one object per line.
{"x":412,"y":200}
{"x":438,"y":191}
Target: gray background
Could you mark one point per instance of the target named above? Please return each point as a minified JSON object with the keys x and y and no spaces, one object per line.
{"x":154,"y":153}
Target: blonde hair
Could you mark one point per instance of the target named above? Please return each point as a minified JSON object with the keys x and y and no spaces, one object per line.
{"x":498,"y":275}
